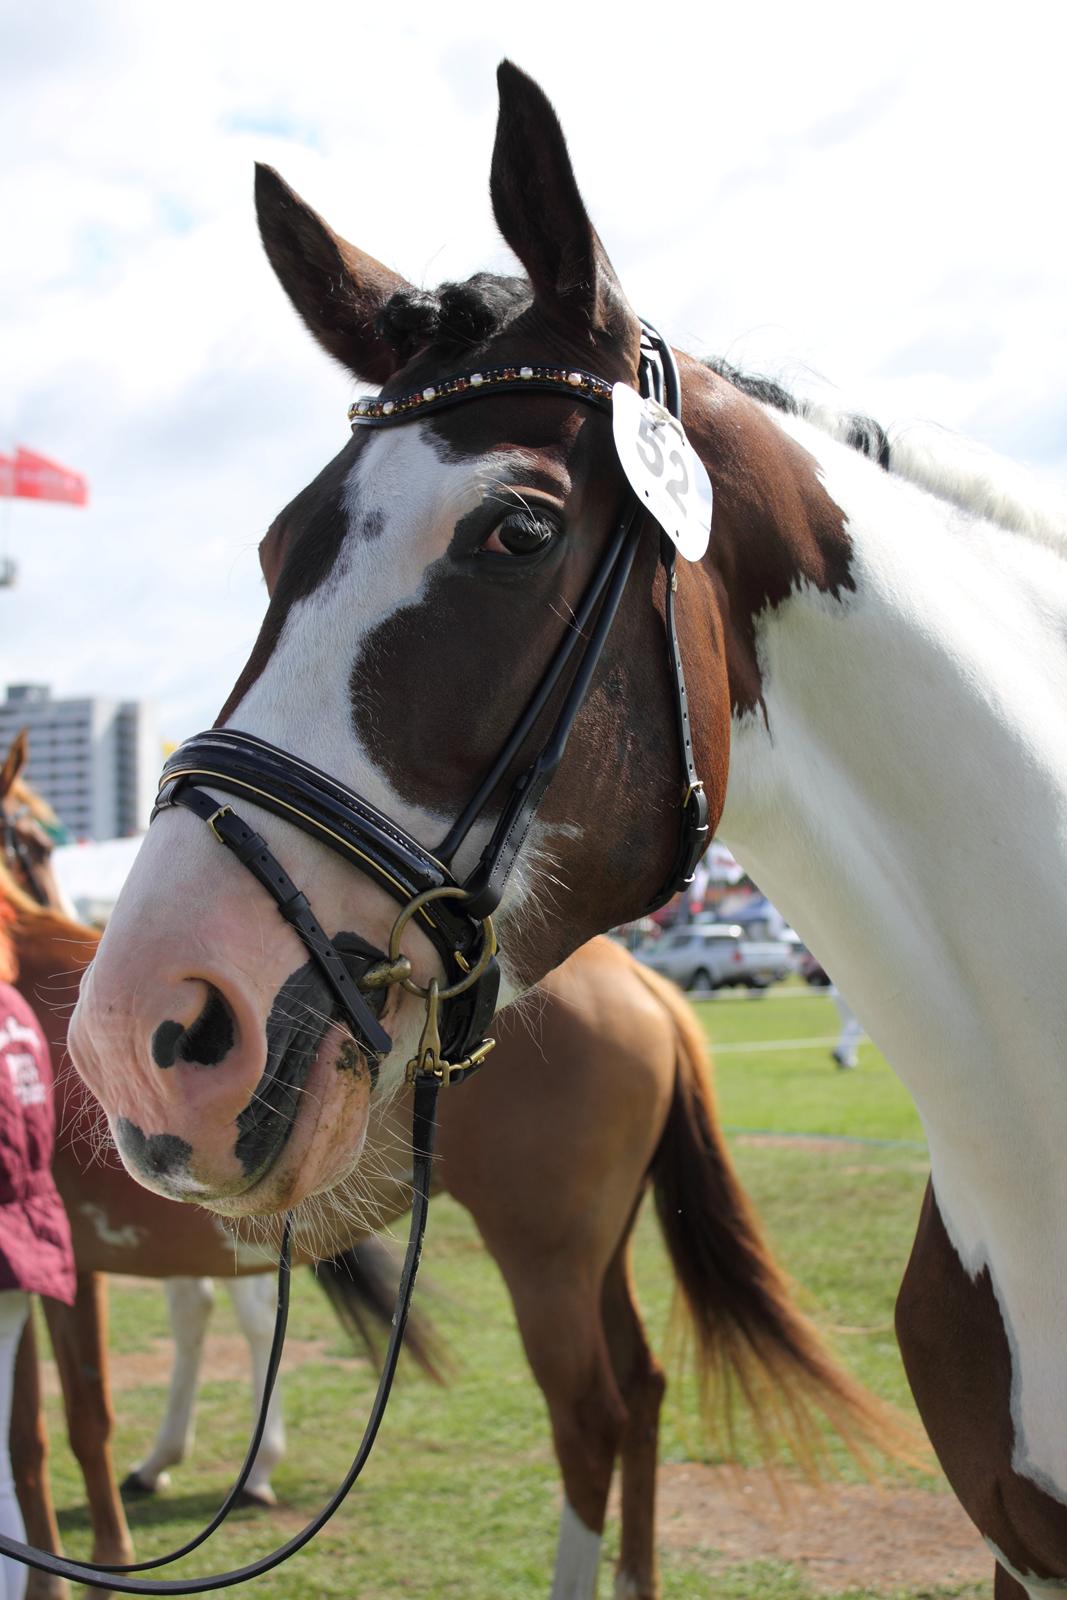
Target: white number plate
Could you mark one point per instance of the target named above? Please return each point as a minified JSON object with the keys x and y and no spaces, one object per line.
{"x":664,"y":471}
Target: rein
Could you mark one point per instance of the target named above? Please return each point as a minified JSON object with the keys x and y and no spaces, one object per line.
{"x":455,"y":915}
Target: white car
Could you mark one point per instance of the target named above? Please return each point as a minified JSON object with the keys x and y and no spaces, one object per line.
{"x":715,"y":955}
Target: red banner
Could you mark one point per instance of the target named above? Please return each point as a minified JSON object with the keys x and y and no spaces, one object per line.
{"x":33,"y":477}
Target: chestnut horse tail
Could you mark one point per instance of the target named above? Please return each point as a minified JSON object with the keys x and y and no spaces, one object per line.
{"x":361,"y":1285}
{"x":739,"y":1320}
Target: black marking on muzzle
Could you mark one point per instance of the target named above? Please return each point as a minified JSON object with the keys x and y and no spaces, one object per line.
{"x":304,"y":1008}
{"x":205,"y":1043}
{"x":157,"y":1155}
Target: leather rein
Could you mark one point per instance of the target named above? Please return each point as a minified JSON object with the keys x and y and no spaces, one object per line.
{"x":455,"y":915}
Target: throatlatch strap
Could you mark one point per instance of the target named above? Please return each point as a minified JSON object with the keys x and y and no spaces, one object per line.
{"x":694,"y":830}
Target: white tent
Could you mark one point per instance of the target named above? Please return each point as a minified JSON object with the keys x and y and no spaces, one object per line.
{"x":91,"y":875}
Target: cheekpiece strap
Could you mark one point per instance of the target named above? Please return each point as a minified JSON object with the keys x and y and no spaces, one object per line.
{"x":378,"y":412}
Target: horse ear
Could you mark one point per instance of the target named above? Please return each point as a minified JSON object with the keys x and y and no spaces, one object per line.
{"x":542,"y":216}
{"x":14,"y":762}
{"x":337,"y":289}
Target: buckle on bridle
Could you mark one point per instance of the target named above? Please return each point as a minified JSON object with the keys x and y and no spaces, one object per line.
{"x":223,"y":811}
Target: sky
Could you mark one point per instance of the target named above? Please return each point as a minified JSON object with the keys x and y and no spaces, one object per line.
{"x":860,"y":202}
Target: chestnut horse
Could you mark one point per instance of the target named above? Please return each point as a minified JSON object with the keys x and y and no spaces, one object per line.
{"x":603,"y":1089}
{"x":361,"y":1283}
{"x":877,"y":649}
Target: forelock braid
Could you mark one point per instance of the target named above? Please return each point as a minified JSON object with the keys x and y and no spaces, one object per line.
{"x":457,"y":316}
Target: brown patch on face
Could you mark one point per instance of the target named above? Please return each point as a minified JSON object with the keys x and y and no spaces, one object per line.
{"x":959,"y":1364}
{"x":458,"y":666}
{"x":774,"y":525}
{"x":439,"y":686}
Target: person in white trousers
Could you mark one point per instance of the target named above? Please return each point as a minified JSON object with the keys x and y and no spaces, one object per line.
{"x":846,"y":1050}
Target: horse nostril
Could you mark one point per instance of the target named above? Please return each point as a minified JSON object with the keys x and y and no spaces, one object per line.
{"x":204,"y":1043}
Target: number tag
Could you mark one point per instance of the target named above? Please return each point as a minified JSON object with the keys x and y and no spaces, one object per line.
{"x":664,"y":471}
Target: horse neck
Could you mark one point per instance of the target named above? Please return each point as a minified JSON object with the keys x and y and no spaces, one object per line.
{"x":52,"y":955}
{"x":902,"y":766}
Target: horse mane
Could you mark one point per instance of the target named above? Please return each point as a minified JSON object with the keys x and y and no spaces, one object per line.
{"x":462,"y":317}
{"x":453,"y":318}
{"x":852,"y":428}
{"x":943,"y":463}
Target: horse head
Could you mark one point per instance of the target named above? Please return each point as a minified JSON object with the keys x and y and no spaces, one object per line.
{"x":420,"y":589}
{"x":28,"y":830}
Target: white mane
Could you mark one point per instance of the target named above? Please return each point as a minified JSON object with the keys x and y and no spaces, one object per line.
{"x":964,"y":473}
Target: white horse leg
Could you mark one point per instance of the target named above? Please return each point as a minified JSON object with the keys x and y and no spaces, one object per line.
{"x":577,"y":1559}
{"x":255,"y":1302}
{"x":189,"y":1303}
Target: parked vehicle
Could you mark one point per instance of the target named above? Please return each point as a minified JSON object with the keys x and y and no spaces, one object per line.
{"x":715,"y":955}
{"x":803,"y":962}
{"x":813,"y":972}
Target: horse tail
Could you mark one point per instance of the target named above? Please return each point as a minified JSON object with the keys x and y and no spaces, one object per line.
{"x":361,"y":1285}
{"x":735,"y":1308}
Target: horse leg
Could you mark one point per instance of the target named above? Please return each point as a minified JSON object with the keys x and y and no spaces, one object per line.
{"x":562,"y":1332}
{"x":642,"y":1384}
{"x":1005,"y":1587}
{"x":189,"y":1304}
{"x":255,"y":1303}
{"x":959,"y":1360}
{"x":79,"y":1341}
{"x":29,"y":1466}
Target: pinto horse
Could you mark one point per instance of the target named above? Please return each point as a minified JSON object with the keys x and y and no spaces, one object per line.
{"x":601,"y":1093}
{"x":877,"y":658}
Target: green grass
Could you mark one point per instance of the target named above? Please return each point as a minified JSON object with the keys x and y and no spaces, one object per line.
{"x":461,"y":1497}
{"x":800,"y":1090}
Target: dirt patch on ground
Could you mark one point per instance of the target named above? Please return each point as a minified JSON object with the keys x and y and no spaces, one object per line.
{"x":226,"y":1360}
{"x":841,"y":1536}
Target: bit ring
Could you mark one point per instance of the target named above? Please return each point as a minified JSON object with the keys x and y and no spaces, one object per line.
{"x":488,"y":950}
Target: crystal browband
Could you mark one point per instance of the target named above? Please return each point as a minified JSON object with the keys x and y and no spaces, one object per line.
{"x":468,"y":385}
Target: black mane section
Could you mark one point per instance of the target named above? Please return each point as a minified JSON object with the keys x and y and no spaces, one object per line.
{"x":859,"y":432}
{"x":455,"y":317}
{"x":764,"y":390}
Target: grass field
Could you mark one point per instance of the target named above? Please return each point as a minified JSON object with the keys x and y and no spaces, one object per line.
{"x":461,"y":1497}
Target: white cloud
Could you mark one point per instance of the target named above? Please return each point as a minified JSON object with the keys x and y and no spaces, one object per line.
{"x":863,"y":201}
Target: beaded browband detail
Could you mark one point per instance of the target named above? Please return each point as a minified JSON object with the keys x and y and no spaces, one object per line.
{"x":469,"y":385}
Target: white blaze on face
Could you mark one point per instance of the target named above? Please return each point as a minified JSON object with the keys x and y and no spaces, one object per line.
{"x":403,"y":504}
{"x":906,"y":809}
{"x":191,"y":918}
{"x":404,"y":499}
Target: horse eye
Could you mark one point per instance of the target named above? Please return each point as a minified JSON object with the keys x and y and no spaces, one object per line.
{"x":521,"y":533}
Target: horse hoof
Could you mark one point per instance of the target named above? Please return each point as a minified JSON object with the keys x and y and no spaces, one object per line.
{"x":259,"y":1499}
{"x":134,"y":1488}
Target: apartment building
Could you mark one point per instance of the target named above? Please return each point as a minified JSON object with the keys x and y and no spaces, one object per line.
{"x":96,"y":761}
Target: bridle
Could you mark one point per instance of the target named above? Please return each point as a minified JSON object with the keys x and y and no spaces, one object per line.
{"x":455,"y":915}
{"x":18,"y":856}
